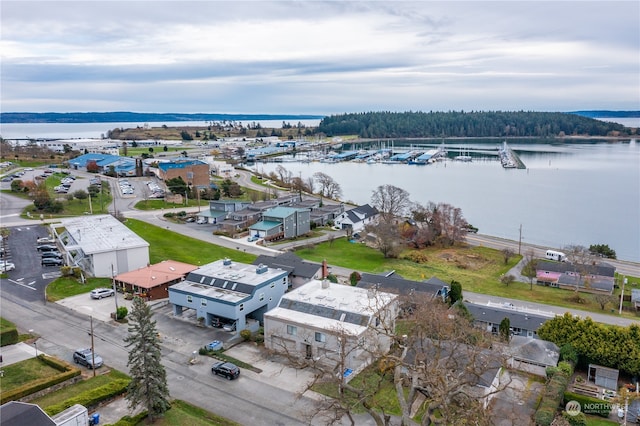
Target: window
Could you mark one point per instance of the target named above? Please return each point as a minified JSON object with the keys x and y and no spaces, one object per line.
{"x":292,"y":330}
{"x":320,"y":337}
{"x":242,"y":306}
{"x":189,"y":299}
{"x":203,"y":302}
{"x":261,"y":297}
{"x":273,"y":285}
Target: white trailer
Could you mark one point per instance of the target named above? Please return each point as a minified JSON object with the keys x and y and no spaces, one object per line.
{"x":76,"y":415}
{"x":556,"y":255}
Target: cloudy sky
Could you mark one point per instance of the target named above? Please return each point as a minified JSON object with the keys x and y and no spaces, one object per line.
{"x":311,"y":57}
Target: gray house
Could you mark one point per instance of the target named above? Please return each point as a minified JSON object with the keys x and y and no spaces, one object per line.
{"x":532,"y":355}
{"x":282,"y":222}
{"x":220,"y":210}
{"x":230,"y":292}
{"x":522,"y":323}
{"x":300,"y":271}
{"x":433,"y":288}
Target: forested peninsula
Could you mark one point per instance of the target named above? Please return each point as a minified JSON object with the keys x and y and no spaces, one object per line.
{"x":469,"y":124}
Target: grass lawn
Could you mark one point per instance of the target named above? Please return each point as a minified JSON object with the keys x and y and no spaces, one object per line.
{"x":370,"y":378}
{"x":16,"y":375}
{"x":157,"y":204}
{"x":6,"y":325}
{"x":185,"y":414}
{"x":165,"y":244}
{"x":73,"y":390}
{"x":69,"y":286}
{"x":599,"y":421}
{"x":478,"y":269}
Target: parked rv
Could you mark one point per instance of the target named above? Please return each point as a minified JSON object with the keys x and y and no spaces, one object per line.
{"x":558,"y":256}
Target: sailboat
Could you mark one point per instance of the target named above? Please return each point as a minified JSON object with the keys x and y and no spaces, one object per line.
{"x":464,"y":156}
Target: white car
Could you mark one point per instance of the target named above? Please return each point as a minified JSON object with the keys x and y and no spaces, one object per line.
{"x":6,"y":266}
{"x":99,"y":293}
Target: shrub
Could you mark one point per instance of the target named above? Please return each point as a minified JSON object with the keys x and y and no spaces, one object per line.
{"x":169,"y":214}
{"x":544,"y":417}
{"x":332,"y":278}
{"x":354,"y":278}
{"x":131,"y":421}
{"x":566,"y":368}
{"x":259,"y":338}
{"x":245,"y":334}
{"x":121,"y":312}
{"x":417,"y":257}
{"x":578,"y":420}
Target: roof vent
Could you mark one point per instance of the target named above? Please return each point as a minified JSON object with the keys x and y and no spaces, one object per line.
{"x":226,"y":262}
{"x":325,"y":284}
{"x":261,"y":269}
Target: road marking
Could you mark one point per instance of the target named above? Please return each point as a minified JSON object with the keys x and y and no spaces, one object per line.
{"x":22,"y":285}
{"x":31,"y":283}
{"x":51,"y":275}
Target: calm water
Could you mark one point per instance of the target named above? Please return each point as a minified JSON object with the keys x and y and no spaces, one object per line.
{"x":569,"y":194}
{"x":100,"y":130}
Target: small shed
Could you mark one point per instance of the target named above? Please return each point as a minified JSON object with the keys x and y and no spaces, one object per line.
{"x":603,"y":376}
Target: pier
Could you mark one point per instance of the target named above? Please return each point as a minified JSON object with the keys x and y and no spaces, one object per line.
{"x":509,"y":159}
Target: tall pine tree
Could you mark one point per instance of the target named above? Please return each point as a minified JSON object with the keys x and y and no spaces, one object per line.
{"x":148,"y":385}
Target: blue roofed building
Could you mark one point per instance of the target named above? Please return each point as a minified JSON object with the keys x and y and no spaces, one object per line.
{"x":122,"y":166}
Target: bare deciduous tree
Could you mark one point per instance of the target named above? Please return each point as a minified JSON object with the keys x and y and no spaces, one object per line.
{"x":391,"y":202}
{"x":387,"y":238}
{"x":530,"y":267}
{"x":328,"y":186}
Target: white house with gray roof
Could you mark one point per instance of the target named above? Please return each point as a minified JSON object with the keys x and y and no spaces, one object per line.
{"x":332,"y":324}
{"x":356,"y":218}
{"x":230,"y":292}
{"x":101,"y":245}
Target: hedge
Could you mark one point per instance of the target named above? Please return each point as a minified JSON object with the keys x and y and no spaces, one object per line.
{"x":584,"y":400}
{"x":578,"y":420}
{"x":130,"y":421}
{"x":68,"y":372}
{"x":552,"y":397}
{"x":91,"y":397}
{"x":9,"y":336}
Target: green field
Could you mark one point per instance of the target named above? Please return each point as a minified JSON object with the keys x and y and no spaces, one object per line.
{"x":20,"y":373}
{"x":64,"y":287}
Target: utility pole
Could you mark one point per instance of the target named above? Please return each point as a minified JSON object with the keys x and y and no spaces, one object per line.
{"x":520,"y":240}
{"x":115,"y":291}
{"x":93,"y":352}
{"x":624,"y":281}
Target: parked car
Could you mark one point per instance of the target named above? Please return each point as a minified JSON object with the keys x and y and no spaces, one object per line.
{"x":47,"y":247}
{"x":51,"y":254}
{"x":52,"y":261}
{"x":87,"y":358}
{"x":45,"y":240}
{"x":216,"y":345}
{"x":229,"y":327}
{"x":6,"y":266}
{"x":99,"y":293}
{"x":226,"y":369}
{"x":252,"y":238}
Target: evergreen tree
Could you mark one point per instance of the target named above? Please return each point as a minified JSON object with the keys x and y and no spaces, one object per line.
{"x":148,"y":385}
{"x":505,"y":329}
{"x":455,"y":292}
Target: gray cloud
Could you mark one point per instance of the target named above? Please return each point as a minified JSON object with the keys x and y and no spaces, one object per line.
{"x":318,"y":57}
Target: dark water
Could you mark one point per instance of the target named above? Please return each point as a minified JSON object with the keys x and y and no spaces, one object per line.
{"x":586,"y":193}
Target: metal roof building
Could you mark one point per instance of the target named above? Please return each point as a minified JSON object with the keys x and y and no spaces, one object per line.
{"x":101,"y":245}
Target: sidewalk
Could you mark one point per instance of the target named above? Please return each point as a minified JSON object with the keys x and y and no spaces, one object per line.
{"x":18,"y":352}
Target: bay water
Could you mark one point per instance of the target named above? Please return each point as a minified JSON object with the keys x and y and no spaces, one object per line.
{"x":570,"y":193}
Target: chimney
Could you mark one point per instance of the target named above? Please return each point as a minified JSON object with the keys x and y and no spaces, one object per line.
{"x":325,"y":269}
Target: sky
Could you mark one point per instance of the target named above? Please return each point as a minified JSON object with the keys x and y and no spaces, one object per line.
{"x":321,"y":58}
